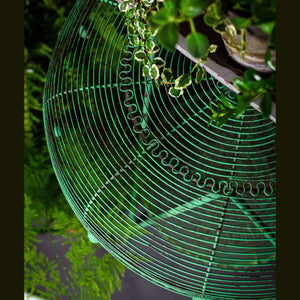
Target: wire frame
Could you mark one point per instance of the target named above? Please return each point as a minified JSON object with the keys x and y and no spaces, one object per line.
{"x":189,"y":207}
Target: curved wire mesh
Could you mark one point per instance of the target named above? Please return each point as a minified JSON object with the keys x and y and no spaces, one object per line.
{"x":189,"y":207}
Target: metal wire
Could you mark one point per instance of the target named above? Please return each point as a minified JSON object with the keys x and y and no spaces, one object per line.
{"x":189,"y":207}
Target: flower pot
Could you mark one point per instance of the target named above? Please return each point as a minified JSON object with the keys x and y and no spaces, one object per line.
{"x":256,"y":46}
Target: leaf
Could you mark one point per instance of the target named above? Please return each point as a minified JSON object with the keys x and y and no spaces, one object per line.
{"x":266,"y":105}
{"x":154,"y":72}
{"x":134,"y":40}
{"x":199,"y":75}
{"x":140,"y":55}
{"x":212,"y":48}
{"x":197,"y":44}
{"x":149,"y":45}
{"x":174,"y":92}
{"x":167,"y":75}
{"x":167,"y":35}
{"x":160,"y":18}
{"x":183,"y":81}
{"x":226,"y":103}
{"x":230,"y":28}
{"x":146,"y":70}
{"x":123,"y":6}
{"x":130,"y":13}
{"x":243,"y":101}
{"x":131,"y":29}
{"x":240,"y":84}
{"x":267,"y":27}
{"x":213,"y":16}
{"x":220,"y":28}
{"x":193,"y":8}
{"x":240,"y":22}
{"x":159,"y":62}
{"x":268,"y":59}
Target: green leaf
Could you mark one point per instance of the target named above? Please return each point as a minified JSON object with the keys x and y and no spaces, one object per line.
{"x":133,"y":40}
{"x":146,"y":70}
{"x":183,"y":81}
{"x":155,"y":49}
{"x":193,"y":8}
{"x":149,"y":45}
{"x":226,"y":103}
{"x":214,"y":14}
{"x":131,"y":29}
{"x":230,"y":28}
{"x":160,"y":18}
{"x":243,"y":101}
{"x":267,"y":27}
{"x":240,"y":22}
{"x":123,"y":6}
{"x":266,"y":105}
{"x":220,"y":28}
{"x":140,"y":55}
{"x":199,"y":75}
{"x":268,"y":59}
{"x":197,"y":44}
{"x":154,"y":72}
{"x":240,"y":85}
{"x":167,"y":35}
{"x":174,"y":92}
{"x":159,"y":62}
{"x":212,"y":48}
{"x":167,"y":75}
{"x":130,"y":13}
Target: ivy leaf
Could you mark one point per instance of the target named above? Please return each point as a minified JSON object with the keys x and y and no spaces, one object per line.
{"x":159,"y":62}
{"x":130,"y":12}
{"x":199,"y":75}
{"x":197,"y":44}
{"x":167,"y":35}
{"x":146,"y":70}
{"x":140,"y":55}
{"x":231,"y":30}
{"x":220,"y":27}
{"x":149,"y":45}
{"x":175,"y":92}
{"x":134,"y":40}
{"x":212,"y":48}
{"x":154,"y":72}
{"x":130,"y":29}
{"x":167,"y":75}
{"x":123,"y":6}
{"x":213,"y":16}
{"x":183,"y":81}
{"x":266,"y":105}
{"x":268,"y":59}
{"x":155,"y":49}
{"x":240,"y":22}
{"x":193,"y":8}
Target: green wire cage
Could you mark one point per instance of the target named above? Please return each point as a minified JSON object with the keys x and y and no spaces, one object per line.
{"x":189,"y":207}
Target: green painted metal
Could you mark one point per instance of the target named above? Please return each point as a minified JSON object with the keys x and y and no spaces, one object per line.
{"x":189,"y":207}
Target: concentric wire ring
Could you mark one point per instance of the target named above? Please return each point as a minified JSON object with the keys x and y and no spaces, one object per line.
{"x":187,"y":206}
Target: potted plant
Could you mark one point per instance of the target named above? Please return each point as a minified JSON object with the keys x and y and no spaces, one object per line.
{"x":151,"y":23}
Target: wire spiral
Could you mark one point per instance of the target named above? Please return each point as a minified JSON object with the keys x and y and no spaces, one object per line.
{"x":187,"y":206}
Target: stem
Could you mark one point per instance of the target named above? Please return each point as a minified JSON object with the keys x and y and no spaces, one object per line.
{"x":192,"y":25}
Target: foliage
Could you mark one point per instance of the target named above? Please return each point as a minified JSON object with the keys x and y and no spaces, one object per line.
{"x":147,"y":20}
{"x":160,"y":20}
{"x":89,"y":276}
{"x":253,"y":86}
{"x":44,"y":204}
